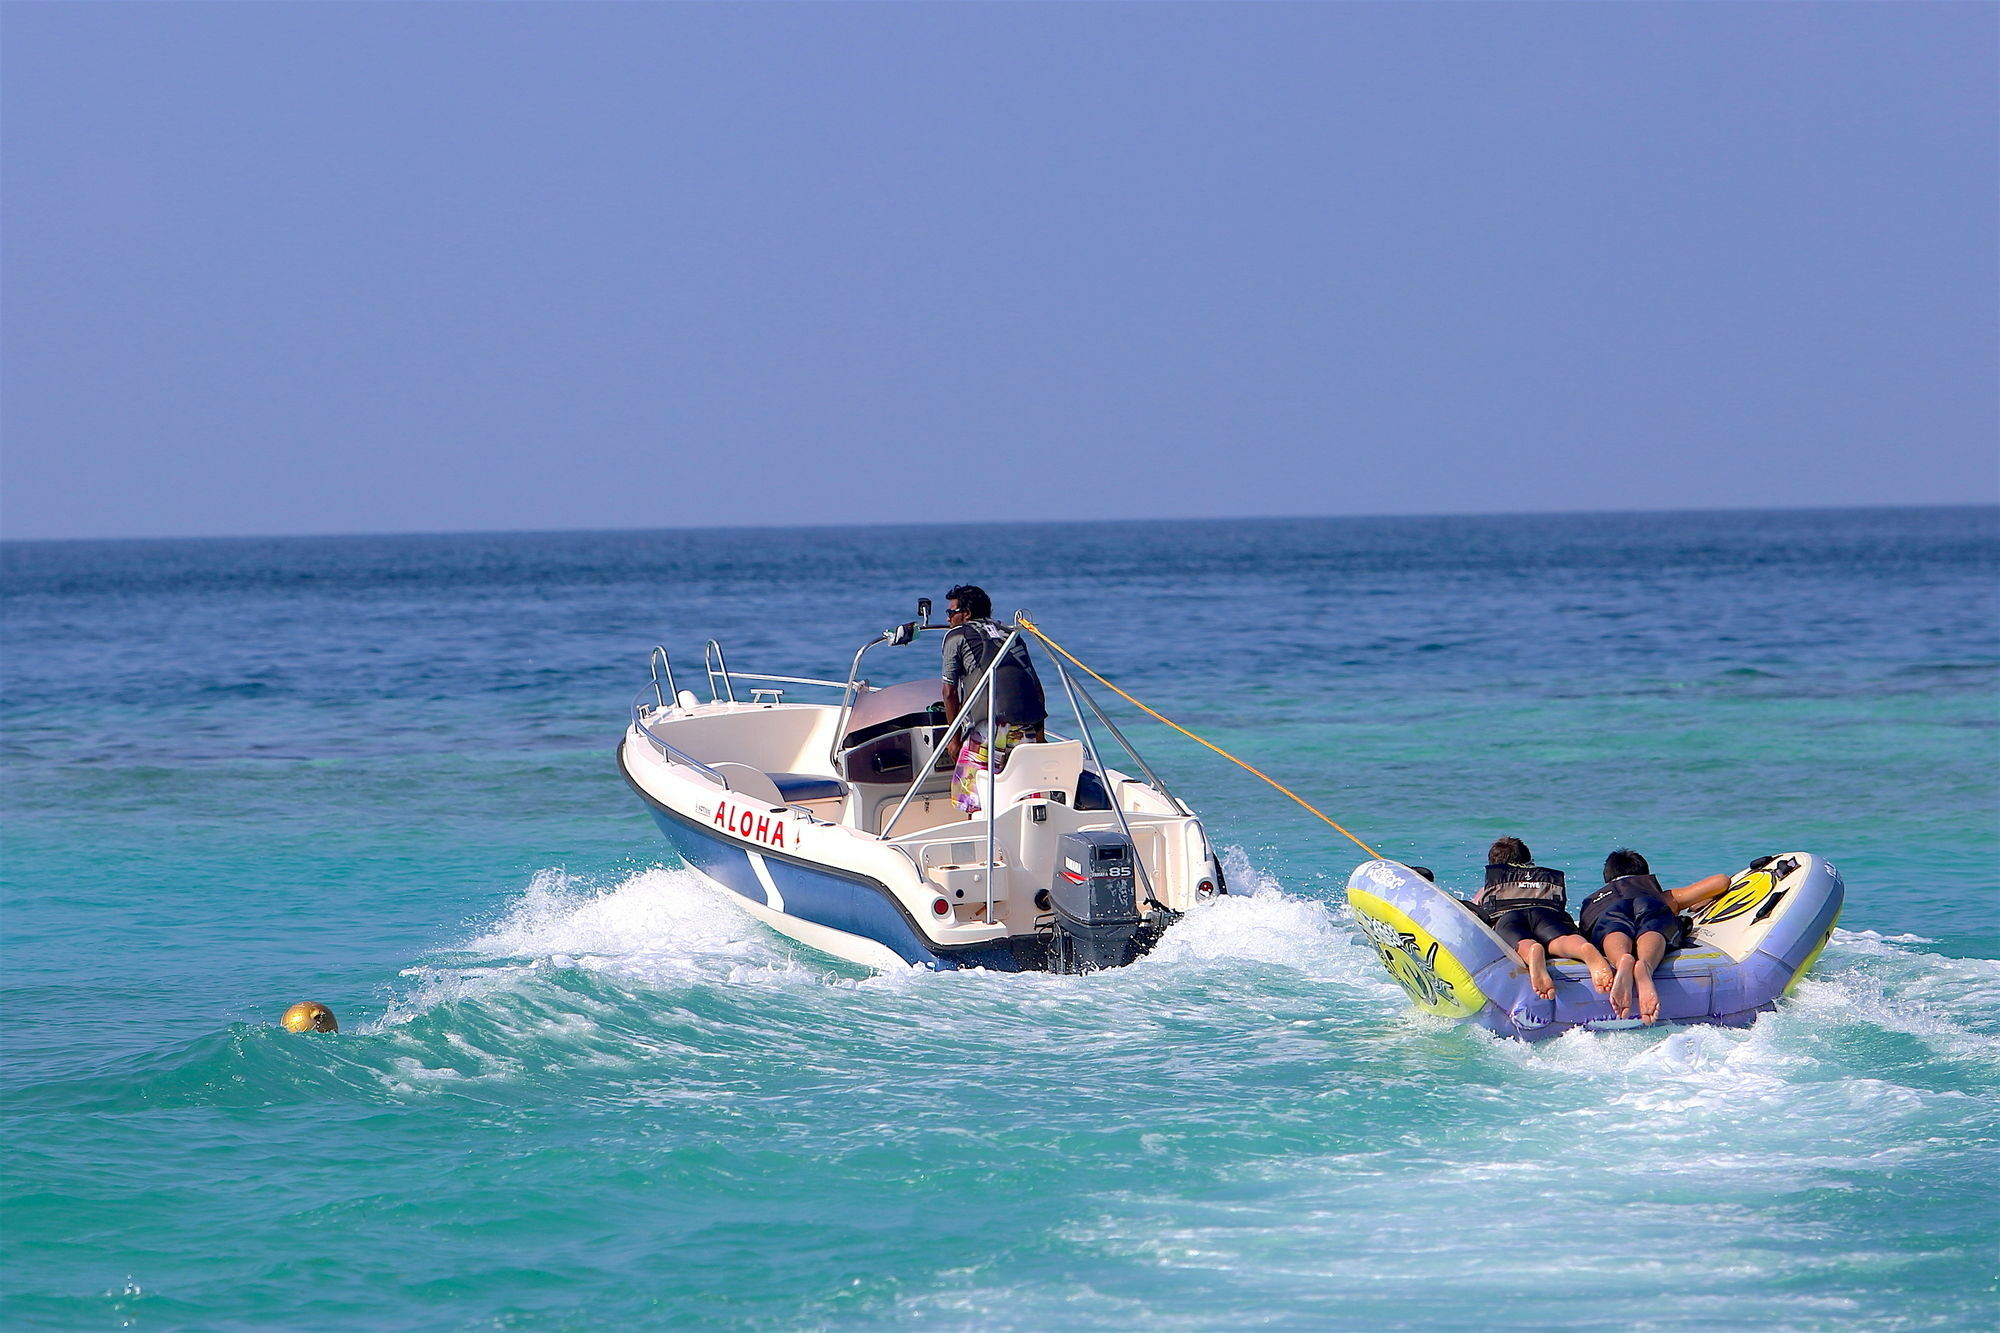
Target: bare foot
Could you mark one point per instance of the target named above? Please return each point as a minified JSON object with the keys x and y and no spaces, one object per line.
{"x":1538,"y":977}
{"x":1649,"y":1000}
{"x":1621,"y":989}
{"x":1602,"y":977}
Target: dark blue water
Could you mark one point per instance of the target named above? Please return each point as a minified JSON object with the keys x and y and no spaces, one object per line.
{"x":574,"y":1090}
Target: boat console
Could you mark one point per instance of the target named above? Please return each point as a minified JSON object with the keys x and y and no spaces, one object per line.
{"x":892,"y":731}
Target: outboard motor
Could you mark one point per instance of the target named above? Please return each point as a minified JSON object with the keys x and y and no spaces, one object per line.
{"x":1095,"y":894}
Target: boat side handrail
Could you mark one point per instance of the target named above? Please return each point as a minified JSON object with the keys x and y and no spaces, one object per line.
{"x":719,"y":673}
{"x":849,"y":693}
{"x":662,"y":661}
{"x":1152,"y":779}
{"x":790,"y":680}
{"x":666,"y":747}
{"x":718,"y":669}
{"x":667,"y":695}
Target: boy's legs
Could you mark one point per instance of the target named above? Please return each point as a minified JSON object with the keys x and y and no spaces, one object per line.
{"x":1652,"y":948}
{"x":1536,"y":959}
{"x":1583,"y":951}
{"x":1618,"y":950}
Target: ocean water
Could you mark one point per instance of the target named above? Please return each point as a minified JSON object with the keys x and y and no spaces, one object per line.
{"x":576,"y":1090}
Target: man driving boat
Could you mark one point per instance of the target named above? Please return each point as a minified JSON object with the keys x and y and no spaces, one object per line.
{"x":1018,"y":707}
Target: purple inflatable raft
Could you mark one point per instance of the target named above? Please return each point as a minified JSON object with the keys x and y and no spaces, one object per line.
{"x":1750,"y":945}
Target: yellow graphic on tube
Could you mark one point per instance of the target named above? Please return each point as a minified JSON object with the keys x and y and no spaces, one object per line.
{"x":1745,"y":892}
{"x":1421,"y":965}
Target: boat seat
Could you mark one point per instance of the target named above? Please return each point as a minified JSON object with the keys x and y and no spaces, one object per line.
{"x":752,"y":783}
{"x":798,"y":787}
{"x":779,"y":788}
{"x":1037,"y":766}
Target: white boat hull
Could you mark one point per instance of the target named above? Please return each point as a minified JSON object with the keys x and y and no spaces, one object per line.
{"x":917,"y":899}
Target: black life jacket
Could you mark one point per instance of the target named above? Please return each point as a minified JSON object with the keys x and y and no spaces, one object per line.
{"x":1625,"y":886}
{"x":1017,"y":691}
{"x":1511,"y":887}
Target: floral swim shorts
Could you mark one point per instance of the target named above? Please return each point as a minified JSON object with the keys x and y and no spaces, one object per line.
{"x":968,"y":780}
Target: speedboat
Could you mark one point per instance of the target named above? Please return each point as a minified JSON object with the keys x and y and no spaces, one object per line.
{"x":832,"y":820}
{"x":1749,"y":946}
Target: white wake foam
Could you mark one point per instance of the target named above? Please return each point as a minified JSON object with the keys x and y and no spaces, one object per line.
{"x":1261,"y":921}
{"x":668,"y":929}
{"x":1950,"y":1004}
{"x":659,"y":927}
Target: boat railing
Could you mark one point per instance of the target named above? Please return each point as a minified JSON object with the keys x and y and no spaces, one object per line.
{"x":662,"y":664}
{"x":661,"y":743}
{"x":855,"y":685}
{"x":720,"y":686}
{"x":660,"y":685}
{"x":789,"y":680}
{"x":722,"y":681}
{"x":659,"y":693}
{"x":1075,"y":691}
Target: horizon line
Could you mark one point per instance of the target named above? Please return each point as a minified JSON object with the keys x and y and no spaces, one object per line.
{"x":332,"y":535}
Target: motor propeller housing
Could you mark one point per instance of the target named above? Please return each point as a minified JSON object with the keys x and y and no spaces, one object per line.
{"x":1094,"y":895}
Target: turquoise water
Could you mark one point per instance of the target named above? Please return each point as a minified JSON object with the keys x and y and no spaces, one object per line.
{"x":576,"y":1090}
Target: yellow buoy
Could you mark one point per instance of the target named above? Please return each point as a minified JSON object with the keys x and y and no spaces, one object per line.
{"x":306,"y":1016}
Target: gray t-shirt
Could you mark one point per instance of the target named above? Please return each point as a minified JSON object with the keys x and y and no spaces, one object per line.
{"x":1017,"y":690}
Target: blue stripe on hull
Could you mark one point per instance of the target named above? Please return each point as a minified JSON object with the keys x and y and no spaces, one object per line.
{"x":722,"y":861}
{"x":853,"y":906}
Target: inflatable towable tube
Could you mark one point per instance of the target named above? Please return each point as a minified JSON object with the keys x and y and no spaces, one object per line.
{"x":1750,"y":945}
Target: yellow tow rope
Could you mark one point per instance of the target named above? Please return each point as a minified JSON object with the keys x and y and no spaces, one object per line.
{"x":1036,"y":630}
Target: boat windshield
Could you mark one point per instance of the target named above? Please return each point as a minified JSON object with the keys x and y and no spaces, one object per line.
{"x":914,"y":703}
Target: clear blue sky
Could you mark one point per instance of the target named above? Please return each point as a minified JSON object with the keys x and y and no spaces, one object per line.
{"x":429,"y":267}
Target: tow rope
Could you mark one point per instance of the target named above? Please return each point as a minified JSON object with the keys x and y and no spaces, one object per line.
{"x":1036,"y":630}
